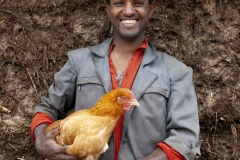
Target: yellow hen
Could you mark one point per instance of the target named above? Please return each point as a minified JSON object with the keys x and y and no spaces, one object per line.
{"x":88,"y":131}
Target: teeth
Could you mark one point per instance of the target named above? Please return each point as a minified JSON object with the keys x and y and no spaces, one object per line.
{"x":129,"y":21}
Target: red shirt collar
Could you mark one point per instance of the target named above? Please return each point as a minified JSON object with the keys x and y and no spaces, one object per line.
{"x":138,"y":51}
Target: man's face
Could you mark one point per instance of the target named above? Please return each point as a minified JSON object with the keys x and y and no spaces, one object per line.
{"x":129,"y":17}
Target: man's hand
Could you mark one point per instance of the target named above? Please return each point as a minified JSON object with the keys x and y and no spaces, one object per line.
{"x":47,"y":147}
{"x":157,"y":154}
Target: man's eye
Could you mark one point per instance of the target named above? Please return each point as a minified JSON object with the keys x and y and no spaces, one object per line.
{"x":118,"y":3}
{"x":139,"y":3}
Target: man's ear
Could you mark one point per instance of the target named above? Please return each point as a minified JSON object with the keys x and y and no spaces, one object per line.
{"x":152,"y":7}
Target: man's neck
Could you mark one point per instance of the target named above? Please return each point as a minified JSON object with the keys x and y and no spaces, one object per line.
{"x":127,"y":46}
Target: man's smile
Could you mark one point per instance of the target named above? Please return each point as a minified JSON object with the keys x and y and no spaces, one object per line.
{"x":129,"y":23}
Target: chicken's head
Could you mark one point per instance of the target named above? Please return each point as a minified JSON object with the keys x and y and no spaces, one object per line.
{"x":127,"y":99}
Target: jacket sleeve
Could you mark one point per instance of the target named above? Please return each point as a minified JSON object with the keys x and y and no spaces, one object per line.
{"x":38,"y":119}
{"x":61,"y":93}
{"x":171,"y":153}
{"x":182,"y":119}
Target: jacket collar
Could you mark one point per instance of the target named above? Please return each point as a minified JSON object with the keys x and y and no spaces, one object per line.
{"x":151,"y":54}
{"x":102,"y":49}
{"x":102,"y":66}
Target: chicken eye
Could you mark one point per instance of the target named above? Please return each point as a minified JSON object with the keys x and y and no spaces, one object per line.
{"x":124,"y":98}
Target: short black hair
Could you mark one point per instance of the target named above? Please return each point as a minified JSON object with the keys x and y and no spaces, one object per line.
{"x":150,"y":1}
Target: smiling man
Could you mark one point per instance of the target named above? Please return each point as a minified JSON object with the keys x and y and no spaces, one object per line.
{"x":166,"y":126}
{"x":129,"y":19}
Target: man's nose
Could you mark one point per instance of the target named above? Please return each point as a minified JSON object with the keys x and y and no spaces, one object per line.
{"x":129,"y":9}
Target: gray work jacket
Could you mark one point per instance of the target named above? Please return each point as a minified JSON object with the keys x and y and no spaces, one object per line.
{"x":163,"y":86}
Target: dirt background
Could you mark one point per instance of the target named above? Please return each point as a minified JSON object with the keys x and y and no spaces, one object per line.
{"x":35,"y":36}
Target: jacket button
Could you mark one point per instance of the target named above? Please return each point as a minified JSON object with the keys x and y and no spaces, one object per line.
{"x":197,"y":144}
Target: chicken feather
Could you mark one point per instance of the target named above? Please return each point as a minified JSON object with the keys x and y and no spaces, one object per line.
{"x":88,"y":131}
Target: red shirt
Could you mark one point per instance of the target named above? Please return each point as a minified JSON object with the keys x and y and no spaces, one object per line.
{"x":128,"y":80}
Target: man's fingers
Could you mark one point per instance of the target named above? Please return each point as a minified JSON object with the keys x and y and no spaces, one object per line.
{"x":68,"y":156}
{"x":52,"y":134}
{"x":57,"y":132}
{"x":64,"y":148}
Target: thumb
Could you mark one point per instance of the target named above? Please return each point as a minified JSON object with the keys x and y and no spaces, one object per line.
{"x":64,"y":148}
{"x":53,"y":133}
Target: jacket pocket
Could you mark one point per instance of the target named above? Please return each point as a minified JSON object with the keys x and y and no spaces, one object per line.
{"x":89,"y":90}
{"x":158,"y":90}
{"x":154,"y":103}
{"x":88,"y":80}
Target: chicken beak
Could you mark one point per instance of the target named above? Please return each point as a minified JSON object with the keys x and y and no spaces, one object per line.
{"x":135,"y":103}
